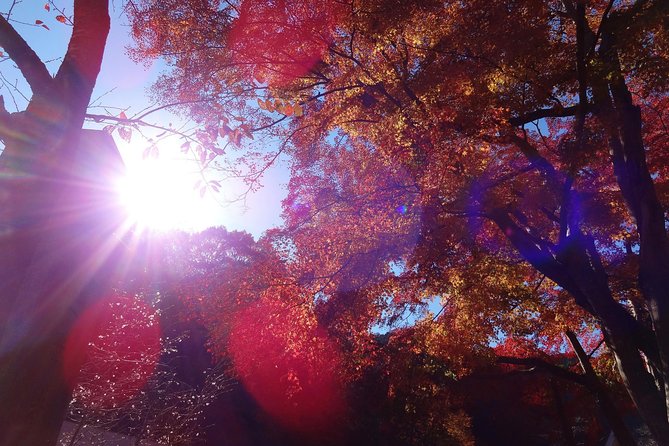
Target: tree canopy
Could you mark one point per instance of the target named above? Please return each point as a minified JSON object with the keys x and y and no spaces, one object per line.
{"x":507,"y":157}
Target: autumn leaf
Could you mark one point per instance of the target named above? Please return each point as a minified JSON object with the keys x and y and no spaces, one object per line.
{"x":47,"y":7}
{"x":236,"y":137}
{"x":61,"y":18}
{"x":224,"y":131}
{"x":125,"y":133}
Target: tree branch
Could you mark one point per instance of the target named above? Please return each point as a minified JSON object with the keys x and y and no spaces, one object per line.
{"x":81,"y":65}
{"x":30,"y":65}
{"x":536,"y":363}
{"x":556,"y":112}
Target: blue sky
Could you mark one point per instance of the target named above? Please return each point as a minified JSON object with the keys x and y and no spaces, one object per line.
{"x":121,"y":86}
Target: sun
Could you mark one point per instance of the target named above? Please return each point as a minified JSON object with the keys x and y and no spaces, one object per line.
{"x":159,"y":194}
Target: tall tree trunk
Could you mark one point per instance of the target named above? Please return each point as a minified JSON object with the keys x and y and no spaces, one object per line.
{"x":622,"y":118}
{"x":54,"y":232}
{"x":604,"y":401}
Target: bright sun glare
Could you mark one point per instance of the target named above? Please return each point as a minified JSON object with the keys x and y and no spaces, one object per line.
{"x":158,"y":194}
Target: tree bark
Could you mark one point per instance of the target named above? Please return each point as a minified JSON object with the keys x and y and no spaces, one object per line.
{"x":55,"y":228}
{"x":604,"y":401}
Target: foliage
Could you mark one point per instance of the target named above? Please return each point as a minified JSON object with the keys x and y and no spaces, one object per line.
{"x":488,"y":153}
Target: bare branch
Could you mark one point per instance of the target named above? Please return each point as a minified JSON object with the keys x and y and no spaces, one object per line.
{"x":536,"y":363}
{"x":557,"y":112}
{"x":30,"y":65}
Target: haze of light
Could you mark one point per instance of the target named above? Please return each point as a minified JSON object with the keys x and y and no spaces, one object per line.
{"x":159,"y":194}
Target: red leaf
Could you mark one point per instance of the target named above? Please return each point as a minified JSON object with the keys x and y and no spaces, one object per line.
{"x":61,"y":18}
{"x":224,"y":131}
{"x":47,"y":7}
{"x":45,"y":27}
{"x":125,"y":133}
{"x":236,"y":137}
{"x":123,"y":115}
{"x":38,"y":22}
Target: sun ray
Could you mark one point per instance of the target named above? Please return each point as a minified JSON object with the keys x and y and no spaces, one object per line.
{"x":159,"y":194}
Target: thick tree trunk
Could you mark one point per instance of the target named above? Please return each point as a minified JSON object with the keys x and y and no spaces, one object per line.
{"x":622,"y":118}
{"x":54,"y":227}
{"x":71,"y":243}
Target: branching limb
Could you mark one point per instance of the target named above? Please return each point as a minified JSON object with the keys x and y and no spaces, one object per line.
{"x":540,"y":364}
{"x":556,"y":112}
{"x":30,"y":65}
{"x":81,"y":65}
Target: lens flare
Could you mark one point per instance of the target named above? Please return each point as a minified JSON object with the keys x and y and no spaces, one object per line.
{"x":112,"y":351}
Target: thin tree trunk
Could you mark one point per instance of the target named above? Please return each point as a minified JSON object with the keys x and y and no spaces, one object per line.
{"x":75,"y":434}
{"x":565,"y":426}
{"x":604,"y":401}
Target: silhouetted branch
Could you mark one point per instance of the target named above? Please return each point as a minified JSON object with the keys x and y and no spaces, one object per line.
{"x":27,"y":61}
{"x":536,"y":363}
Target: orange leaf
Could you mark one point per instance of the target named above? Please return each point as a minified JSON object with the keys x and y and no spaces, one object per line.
{"x":61,"y":18}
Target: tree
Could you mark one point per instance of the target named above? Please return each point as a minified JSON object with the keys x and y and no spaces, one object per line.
{"x":483,"y":134}
{"x":56,"y":224}
{"x":140,"y":377}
